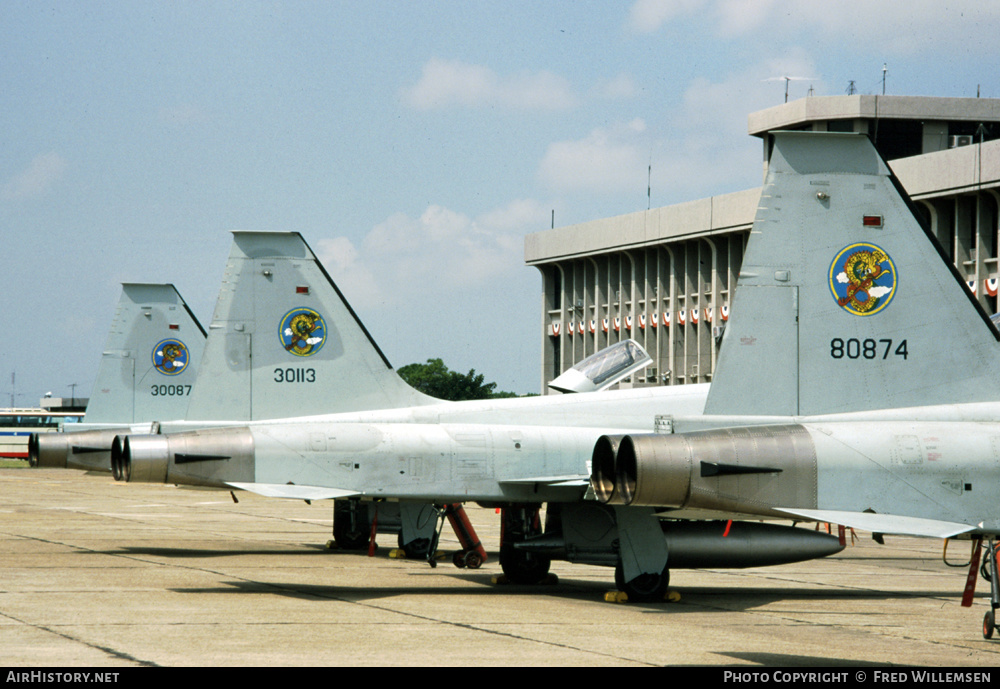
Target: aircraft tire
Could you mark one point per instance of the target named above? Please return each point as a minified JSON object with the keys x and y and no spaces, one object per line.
{"x":645,"y":588}
{"x":417,"y":549}
{"x":989,"y":624}
{"x":348,"y":533}
{"x":523,"y":568}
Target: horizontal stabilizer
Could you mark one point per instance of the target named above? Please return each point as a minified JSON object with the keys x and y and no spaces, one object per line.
{"x":885,"y":523}
{"x":294,"y":492}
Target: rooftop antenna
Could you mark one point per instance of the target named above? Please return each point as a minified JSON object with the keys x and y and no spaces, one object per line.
{"x":884,"y":70}
{"x":649,"y":183}
{"x":787,"y":79}
{"x":851,"y":88}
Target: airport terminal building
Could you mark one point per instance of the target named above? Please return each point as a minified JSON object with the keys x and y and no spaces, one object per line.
{"x":665,"y":276}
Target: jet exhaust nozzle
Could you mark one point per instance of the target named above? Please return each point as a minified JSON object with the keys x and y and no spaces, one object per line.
{"x":47,"y":450}
{"x":88,"y":450}
{"x":140,"y":458}
{"x":716,"y":466}
{"x":210,"y":457}
{"x":602,"y":476}
{"x":617,"y":460}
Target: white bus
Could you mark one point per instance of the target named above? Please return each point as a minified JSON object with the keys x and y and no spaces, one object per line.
{"x":19,"y":423}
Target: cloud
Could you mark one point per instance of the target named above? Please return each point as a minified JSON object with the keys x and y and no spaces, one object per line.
{"x":440,"y":252}
{"x":451,"y":83}
{"x":621,"y":86}
{"x":43,"y":172}
{"x":889,"y":28}
{"x":700,"y":148}
{"x":609,"y":159}
{"x":722,"y":106}
{"x":341,"y":259}
{"x":647,"y":16}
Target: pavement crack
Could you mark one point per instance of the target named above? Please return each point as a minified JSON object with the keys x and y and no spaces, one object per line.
{"x":75,"y":639}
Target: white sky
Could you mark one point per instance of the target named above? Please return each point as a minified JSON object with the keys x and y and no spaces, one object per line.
{"x":414,"y":145}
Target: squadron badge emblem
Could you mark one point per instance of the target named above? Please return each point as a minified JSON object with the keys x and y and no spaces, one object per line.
{"x":170,"y":356}
{"x":862,"y":279}
{"x":302,"y":332}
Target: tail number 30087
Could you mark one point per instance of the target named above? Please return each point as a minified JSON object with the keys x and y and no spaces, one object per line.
{"x":169,"y":390}
{"x":294,"y":375}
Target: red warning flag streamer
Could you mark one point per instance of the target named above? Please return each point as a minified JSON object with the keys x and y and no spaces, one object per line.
{"x":371,"y":538}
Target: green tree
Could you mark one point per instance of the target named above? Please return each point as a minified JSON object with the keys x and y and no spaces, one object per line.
{"x":436,"y":380}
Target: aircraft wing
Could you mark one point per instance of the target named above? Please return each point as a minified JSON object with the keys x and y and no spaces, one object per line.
{"x":294,"y":492}
{"x":885,"y":523}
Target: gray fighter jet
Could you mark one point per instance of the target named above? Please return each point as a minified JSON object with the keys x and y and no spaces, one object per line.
{"x":838,"y":397}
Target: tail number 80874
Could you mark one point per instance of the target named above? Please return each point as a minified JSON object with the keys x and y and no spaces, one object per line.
{"x":854,"y":348}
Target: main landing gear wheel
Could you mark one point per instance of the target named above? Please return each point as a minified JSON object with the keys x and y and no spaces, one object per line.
{"x":351,"y":526}
{"x":645,"y":588}
{"x":520,"y":523}
{"x":522,"y":567}
{"x":417,"y":549}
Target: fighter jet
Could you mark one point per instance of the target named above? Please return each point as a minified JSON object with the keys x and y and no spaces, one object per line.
{"x":297,"y":346}
{"x":147,"y":372}
{"x":857,"y":381}
{"x":284,"y":341}
{"x":837,"y":397}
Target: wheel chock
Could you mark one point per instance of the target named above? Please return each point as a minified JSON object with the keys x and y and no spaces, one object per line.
{"x":502,"y":580}
{"x":622,"y":597}
{"x":397,"y":554}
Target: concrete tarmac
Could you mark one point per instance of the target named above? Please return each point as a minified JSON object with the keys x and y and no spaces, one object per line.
{"x":94,"y":573}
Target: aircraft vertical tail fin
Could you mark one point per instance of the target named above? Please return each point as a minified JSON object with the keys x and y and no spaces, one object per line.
{"x":284,"y":342}
{"x":845,"y":301}
{"x":150,"y":360}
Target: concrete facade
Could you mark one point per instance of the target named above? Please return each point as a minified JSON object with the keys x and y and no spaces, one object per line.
{"x":664,"y":276}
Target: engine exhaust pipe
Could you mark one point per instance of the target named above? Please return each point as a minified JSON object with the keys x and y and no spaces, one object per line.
{"x":208,"y":457}
{"x":87,"y":450}
{"x":603,"y":475}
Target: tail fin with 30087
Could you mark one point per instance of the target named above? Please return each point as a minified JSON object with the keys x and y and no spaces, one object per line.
{"x":856,"y":384}
{"x":147,"y":372}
